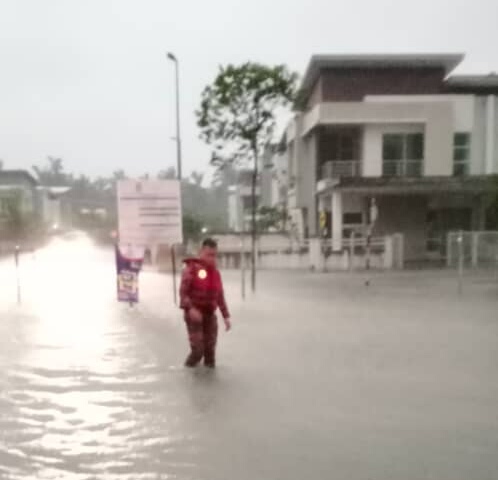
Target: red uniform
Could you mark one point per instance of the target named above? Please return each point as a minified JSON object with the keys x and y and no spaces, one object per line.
{"x":202,"y":288}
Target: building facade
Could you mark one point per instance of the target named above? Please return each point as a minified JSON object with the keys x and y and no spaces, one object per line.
{"x":48,"y":205}
{"x":388,"y":144}
{"x":19,"y":187}
{"x":240,"y":201}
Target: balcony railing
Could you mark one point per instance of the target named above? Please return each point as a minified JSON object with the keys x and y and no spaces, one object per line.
{"x":402,"y":168}
{"x":340,"y":169}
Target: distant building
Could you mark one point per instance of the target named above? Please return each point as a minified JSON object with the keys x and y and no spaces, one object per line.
{"x":240,"y":201}
{"x":17,"y":186}
{"x":49,"y":204}
{"x":395,"y":134}
{"x":54,"y":206}
{"x":274,"y":179}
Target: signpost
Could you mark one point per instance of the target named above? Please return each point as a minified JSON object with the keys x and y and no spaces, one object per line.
{"x":149,"y":212}
{"x":150,"y":215}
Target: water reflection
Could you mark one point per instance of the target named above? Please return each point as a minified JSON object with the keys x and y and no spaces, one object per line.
{"x":84,"y":392}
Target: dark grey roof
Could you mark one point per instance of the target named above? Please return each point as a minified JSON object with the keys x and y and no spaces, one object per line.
{"x":472,"y":184}
{"x":8,"y":177}
{"x":473,"y":82}
{"x":447,"y":61}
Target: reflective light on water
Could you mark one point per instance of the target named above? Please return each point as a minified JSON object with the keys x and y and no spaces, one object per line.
{"x":82,"y":392}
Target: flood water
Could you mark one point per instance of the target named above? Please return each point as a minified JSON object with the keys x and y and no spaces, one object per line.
{"x":319,"y":378}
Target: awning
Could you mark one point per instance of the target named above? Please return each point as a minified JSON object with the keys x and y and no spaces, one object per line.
{"x":475,"y":185}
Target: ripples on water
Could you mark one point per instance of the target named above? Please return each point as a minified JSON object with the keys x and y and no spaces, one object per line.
{"x":87,"y":390}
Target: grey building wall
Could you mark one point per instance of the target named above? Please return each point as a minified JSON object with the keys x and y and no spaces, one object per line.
{"x":478,"y":139}
{"x":406,"y":214}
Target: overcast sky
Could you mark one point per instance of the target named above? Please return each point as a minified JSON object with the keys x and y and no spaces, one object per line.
{"x":87,"y":80}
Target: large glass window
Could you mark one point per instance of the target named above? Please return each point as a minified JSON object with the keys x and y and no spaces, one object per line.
{"x":461,"y":153}
{"x":402,"y":154}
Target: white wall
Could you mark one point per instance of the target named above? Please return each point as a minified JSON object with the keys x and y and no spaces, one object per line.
{"x":234,"y":210}
{"x":478,"y":140}
{"x":306,"y":181}
{"x":462,"y":105}
{"x":495,"y":165}
{"x":436,"y":116}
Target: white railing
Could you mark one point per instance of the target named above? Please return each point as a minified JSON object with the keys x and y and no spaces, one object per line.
{"x":341,"y":169}
{"x":402,"y":168}
{"x":476,"y":249}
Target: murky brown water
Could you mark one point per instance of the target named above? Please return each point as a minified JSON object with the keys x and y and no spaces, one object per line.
{"x":317,"y":380}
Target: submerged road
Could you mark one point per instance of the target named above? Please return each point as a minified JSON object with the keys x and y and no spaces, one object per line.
{"x":320,"y":378}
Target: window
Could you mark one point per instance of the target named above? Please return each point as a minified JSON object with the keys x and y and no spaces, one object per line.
{"x":352,"y":218}
{"x":392,"y":147}
{"x":461,"y":153}
{"x":340,"y":144}
{"x":402,"y":154}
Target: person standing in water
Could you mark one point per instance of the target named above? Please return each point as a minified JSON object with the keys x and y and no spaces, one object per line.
{"x":201,"y":294}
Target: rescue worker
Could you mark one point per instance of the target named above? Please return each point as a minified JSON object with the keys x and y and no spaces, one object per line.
{"x":201,"y":294}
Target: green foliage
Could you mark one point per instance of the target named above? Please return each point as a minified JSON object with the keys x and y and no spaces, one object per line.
{"x":238,"y":111}
{"x":271,"y":219}
{"x":208,"y":205}
{"x":19,"y":225}
{"x":169,"y":174}
{"x":237,"y":118}
{"x":53,"y":173}
{"x":192,"y":228}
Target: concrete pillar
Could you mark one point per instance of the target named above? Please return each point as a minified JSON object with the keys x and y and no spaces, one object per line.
{"x":475,"y":248}
{"x":345,"y":260}
{"x":449,"y":249}
{"x":315,"y":252}
{"x":478,"y":214}
{"x":336,"y":221}
{"x":490,"y":135}
{"x":388,"y":253}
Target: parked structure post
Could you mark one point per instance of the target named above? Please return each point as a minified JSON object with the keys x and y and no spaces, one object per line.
{"x":475,"y":249}
{"x":460,"y":262}
{"x":18,"y":276}
{"x":242,"y":268}
{"x":351,"y":251}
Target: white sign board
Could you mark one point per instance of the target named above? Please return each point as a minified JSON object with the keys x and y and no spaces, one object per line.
{"x":149,"y":212}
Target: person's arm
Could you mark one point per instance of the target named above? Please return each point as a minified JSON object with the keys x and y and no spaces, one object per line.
{"x":185,"y":286}
{"x":222,"y":305}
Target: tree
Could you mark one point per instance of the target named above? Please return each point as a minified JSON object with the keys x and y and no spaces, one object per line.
{"x":197,"y":178}
{"x":20,"y":225}
{"x":192,"y":227}
{"x":237,"y":117}
{"x":53,"y":174}
{"x":271,"y":218}
{"x":169,"y":174}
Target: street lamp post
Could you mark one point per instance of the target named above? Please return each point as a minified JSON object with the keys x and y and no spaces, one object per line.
{"x":173,"y":58}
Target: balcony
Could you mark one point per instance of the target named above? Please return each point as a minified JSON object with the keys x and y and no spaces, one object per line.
{"x":338,"y":169}
{"x":332,"y":171}
{"x":402,"y":168}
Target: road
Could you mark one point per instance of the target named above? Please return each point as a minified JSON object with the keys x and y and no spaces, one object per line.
{"x":320,"y":378}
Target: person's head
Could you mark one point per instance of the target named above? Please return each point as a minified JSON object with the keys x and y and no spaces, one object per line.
{"x":209,"y":251}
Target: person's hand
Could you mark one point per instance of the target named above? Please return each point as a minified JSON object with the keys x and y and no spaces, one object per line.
{"x":228,"y":324}
{"x":195,"y":315}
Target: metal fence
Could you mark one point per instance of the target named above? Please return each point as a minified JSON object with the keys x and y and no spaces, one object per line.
{"x":472,"y":249}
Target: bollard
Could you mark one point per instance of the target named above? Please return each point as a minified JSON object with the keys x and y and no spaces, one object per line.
{"x":351,"y":251}
{"x":18,"y":276}
{"x":242,"y":269}
{"x":460,"y":263}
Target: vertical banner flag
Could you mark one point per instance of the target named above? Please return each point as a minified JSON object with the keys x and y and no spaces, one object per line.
{"x":128,"y":264}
